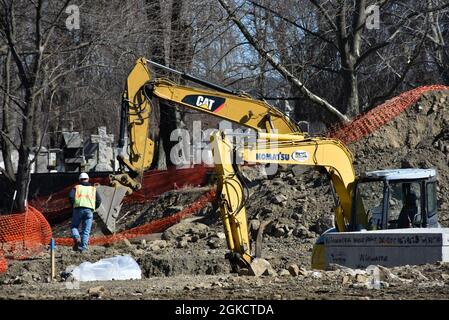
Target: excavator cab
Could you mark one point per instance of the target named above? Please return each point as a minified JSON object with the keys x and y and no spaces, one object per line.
{"x":395,"y":199}
{"x":388,"y":199}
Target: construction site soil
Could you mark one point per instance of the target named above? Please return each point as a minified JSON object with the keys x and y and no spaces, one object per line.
{"x":187,"y":260}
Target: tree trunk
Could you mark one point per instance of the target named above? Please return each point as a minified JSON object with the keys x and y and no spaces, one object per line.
{"x":24,"y":168}
{"x":351,"y":105}
{"x":349,"y":46}
{"x":170,"y":117}
{"x":7,"y":119}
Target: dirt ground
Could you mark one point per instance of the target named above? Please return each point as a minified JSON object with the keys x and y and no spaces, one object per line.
{"x":187,"y":260}
{"x":423,"y":282}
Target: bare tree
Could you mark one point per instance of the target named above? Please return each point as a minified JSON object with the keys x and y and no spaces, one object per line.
{"x":280,"y":67}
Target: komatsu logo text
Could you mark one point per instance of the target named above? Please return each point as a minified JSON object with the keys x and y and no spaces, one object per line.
{"x":273,"y":156}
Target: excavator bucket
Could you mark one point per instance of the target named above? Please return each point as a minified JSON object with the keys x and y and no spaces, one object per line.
{"x":111,"y":203}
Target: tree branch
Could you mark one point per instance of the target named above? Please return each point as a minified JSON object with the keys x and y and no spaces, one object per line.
{"x":326,"y":15}
{"x":280,"y":68}
{"x":315,"y":34}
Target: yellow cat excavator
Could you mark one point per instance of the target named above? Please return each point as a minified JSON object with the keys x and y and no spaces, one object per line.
{"x":378,"y":200}
{"x":141,"y":93}
{"x":374,"y":201}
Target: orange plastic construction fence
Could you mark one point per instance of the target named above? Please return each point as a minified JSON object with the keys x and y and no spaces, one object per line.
{"x":368,"y":122}
{"x":23,"y":234}
{"x":3,"y":263}
{"x":155,"y":182}
{"x":148,"y":228}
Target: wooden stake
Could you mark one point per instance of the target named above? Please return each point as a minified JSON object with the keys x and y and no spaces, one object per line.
{"x":52,"y":259}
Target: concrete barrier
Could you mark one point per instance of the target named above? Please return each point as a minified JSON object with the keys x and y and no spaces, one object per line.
{"x":395,"y":247}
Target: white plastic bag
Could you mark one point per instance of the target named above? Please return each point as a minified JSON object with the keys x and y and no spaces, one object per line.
{"x":116,"y":268}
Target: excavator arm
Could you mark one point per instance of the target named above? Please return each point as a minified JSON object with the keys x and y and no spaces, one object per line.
{"x":141,"y":93}
{"x":329,"y":154}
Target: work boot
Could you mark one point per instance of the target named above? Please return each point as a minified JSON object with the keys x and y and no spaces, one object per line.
{"x":82,"y":248}
{"x":77,"y":245}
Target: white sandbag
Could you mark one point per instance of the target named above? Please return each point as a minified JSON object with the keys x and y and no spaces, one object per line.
{"x":116,"y":268}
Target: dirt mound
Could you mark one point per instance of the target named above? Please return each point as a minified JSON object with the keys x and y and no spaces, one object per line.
{"x":297,"y":205}
{"x":418,"y":138}
{"x":301,"y":205}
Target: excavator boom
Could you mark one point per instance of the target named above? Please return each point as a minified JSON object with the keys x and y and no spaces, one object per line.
{"x":292,"y":149}
{"x":141,"y":93}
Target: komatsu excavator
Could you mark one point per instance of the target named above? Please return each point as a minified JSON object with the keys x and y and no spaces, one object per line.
{"x":379,"y":200}
{"x":141,"y":93}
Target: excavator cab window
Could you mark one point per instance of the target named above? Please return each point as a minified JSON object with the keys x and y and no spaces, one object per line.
{"x":404,"y":204}
{"x":431,"y":205}
{"x":371,"y":194}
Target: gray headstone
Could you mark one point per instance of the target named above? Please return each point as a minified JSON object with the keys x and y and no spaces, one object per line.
{"x":105,"y":153}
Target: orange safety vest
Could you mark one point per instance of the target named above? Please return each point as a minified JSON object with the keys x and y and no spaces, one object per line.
{"x":85,"y":196}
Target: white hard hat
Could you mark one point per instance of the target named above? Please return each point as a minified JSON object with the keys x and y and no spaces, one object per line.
{"x":83,"y":176}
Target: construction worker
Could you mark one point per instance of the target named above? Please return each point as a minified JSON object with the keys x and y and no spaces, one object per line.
{"x":85,"y":200}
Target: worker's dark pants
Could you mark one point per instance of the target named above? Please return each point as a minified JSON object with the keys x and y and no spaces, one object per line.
{"x":84,"y":216}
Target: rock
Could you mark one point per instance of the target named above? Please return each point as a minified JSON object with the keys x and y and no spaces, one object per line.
{"x":302,"y":232}
{"x":291,"y":180}
{"x":419,"y":276}
{"x":335,"y":267}
{"x":303,"y":272}
{"x":142,"y":240}
{"x":254,"y":225}
{"x":359,"y":286}
{"x":385,"y":274}
{"x":185,"y":237}
{"x":266,"y":211}
{"x":376,"y":284}
{"x":270,"y":272}
{"x":157,"y":245}
{"x":139,"y":252}
{"x":258,"y":267}
{"x":183,"y":228}
{"x":96,"y":292}
{"x":221,"y":235}
{"x":182,"y":244}
{"x":26,"y":278}
{"x":279,"y":199}
{"x":217,"y":284}
{"x":284,"y":272}
{"x":346,"y":279}
{"x":317,"y":275}
{"x":122,"y":244}
{"x":243,"y":272}
{"x":172,"y":210}
{"x":361,"y":278}
{"x":445,"y":276}
{"x":203,"y":285}
{"x":189,"y":288}
{"x":293,"y":269}
{"x":322,"y":224}
{"x":278,"y":231}
{"x":213,"y":243}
